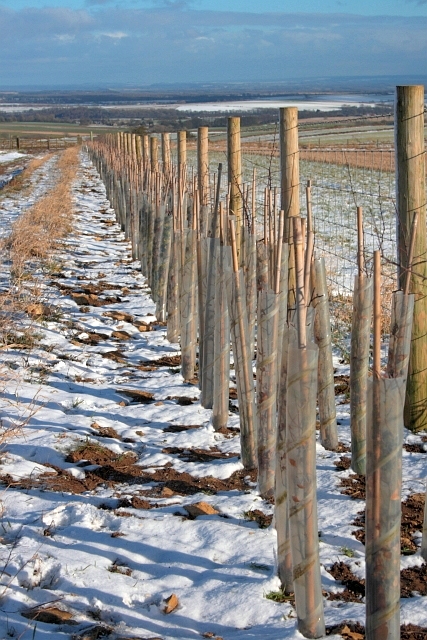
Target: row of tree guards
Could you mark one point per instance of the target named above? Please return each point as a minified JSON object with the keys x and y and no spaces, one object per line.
{"x":222,"y":271}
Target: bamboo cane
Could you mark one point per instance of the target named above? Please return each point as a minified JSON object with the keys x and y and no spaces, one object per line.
{"x":222,"y":347}
{"x":359,"y":355}
{"x":242,"y":358}
{"x":383,"y":491}
{"x":325,"y":372}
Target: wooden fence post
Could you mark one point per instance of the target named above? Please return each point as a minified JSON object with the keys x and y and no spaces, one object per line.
{"x":166,"y":152}
{"x":154,"y":153}
{"x":234,"y":160}
{"x":411,"y":199}
{"x":289,"y":181}
{"x":182,"y":155}
{"x":146,"y":152}
{"x":133,"y":145}
{"x":203,"y":175}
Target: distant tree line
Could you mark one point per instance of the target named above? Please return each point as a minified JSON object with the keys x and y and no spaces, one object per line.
{"x":159,"y":120}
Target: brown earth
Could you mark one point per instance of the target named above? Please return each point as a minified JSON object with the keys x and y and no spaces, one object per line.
{"x":178,"y":428}
{"x":353,"y":486}
{"x":116,"y":469}
{"x":105,"y":432}
{"x":143,"y":397}
{"x":355,"y":631}
{"x":342,"y":384}
{"x":354,"y":588}
{"x":415,"y":448}
{"x":412,"y":521}
{"x":412,"y":580}
{"x":199,"y":455}
{"x":262,"y":519}
{"x":183,"y":401}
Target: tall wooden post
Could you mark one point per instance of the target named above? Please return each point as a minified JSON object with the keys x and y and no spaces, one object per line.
{"x":133,"y":146}
{"x":203,"y":164}
{"x":146,"y":152}
{"x":203,"y":176}
{"x":289,"y":182}
{"x":166,"y":152}
{"x":411,"y":199}
{"x":289,"y":166}
{"x":139,"y":148}
{"x":154,"y":154}
{"x":182,"y":153}
{"x":234,"y":159}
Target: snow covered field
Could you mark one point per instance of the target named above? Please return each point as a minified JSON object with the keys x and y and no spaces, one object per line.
{"x":9,"y":156}
{"x":93,"y":507}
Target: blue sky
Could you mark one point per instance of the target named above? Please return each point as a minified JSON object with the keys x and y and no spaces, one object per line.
{"x":59,"y":42}
{"x":361,"y":7}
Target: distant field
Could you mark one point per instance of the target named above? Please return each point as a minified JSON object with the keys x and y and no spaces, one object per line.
{"x":51,"y":129}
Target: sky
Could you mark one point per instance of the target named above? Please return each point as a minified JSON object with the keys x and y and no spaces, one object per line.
{"x":143,"y":42}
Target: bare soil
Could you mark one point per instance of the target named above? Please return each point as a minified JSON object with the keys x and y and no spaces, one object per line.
{"x":412,"y":521}
{"x":357,"y":631}
{"x":342,"y":385}
{"x":353,"y":486}
{"x":262,"y":519}
{"x":199,"y":455}
{"x":178,"y":428}
{"x":113,"y":470}
{"x":354,"y":588}
{"x":412,"y":581}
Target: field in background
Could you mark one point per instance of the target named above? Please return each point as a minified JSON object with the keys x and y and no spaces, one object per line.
{"x":52,"y":129}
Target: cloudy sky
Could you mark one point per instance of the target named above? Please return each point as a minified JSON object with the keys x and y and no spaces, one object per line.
{"x":61,"y":42}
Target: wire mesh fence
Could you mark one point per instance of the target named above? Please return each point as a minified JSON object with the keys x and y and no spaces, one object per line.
{"x":342,"y":179}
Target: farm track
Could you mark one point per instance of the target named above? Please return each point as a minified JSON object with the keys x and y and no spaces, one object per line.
{"x":97,"y":488}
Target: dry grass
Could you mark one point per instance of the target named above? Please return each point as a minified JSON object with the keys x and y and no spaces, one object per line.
{"x":361,"y":156}
{"x":375,"y":159}
{"x":38,"y":232}
{"x":21,"y":182}
{"x":33,"y":240}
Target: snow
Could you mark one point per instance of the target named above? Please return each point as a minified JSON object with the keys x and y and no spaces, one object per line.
{"x":9,"y":156}
{"x":59,"y":547}
{"x":250,"y":105}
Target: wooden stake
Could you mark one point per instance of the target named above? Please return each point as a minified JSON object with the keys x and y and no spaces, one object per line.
{"x":299,"y":269}
{"x":411,"y":253}
{"x":360,"y":242}
{"x":234,"y":158}
{"x":253,"y":216}
{"x":309,"y":207}
{"x":221,"y":223}
{"x":154,"y":157}
{"x":279,"y":252}
{"x":203,"y":164}
{"x":289,"y":165}
{"x":233,"y":245}
{"x":307,"y":266}
{"x":146,"y":153}
{"x":411,"y":199}
{"x":166,"y":152}
{"x":377,"y":315}
{"x":214,"y":221}
{"x":265,"y":215}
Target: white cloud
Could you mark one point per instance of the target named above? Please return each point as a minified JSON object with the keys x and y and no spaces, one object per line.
{"x":66,"y":38}
{"x":115,"y":35}
{"x":159,"y":45}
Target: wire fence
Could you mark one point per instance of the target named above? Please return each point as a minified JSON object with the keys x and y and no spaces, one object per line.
{"x":341,"y":180}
